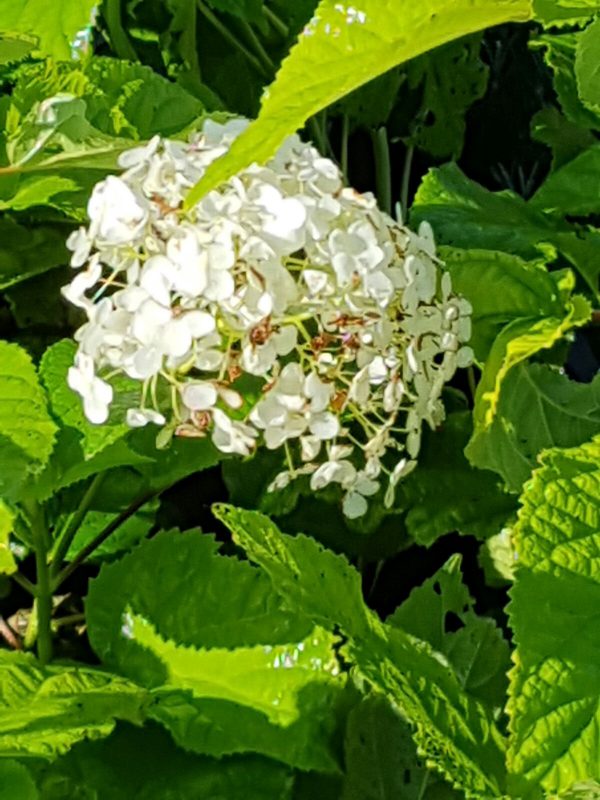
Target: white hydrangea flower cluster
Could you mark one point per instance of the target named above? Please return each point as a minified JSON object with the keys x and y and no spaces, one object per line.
{"x":284,"y":308}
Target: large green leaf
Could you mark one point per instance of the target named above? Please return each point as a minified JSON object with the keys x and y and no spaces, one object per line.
{"x":587,"y":69}
{"x":464,"y":214}
{"x":555,"y":685}
{"x":145,"y":764}
{"x":445,"y":493}
{"x":340,"y":49}
{"x":278,"y":700}
{"x":54,"y":25}
{"x":539,"y":407}
{"x":566,"y":139}
{"x":573,"y":188}
{"x":26,"y":430}
{"x":45,"y":710}
{"x":452,"y":731}
{"x":440,"y":612}
{"x":213,"y":604}
{"x":564,"y":12}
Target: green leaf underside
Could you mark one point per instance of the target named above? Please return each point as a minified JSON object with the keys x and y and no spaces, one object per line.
{"x":405,"y":669}
{"x":54,"y":25}
{"x":145,"y":764}
{"x":465,"y":214}
{"x":336,"y":54}
{"x":566,"y":413}
{"x":45,"y":710}
{"x":24,"y":419}
{"x":221,"y":603}
{"x":555,"y":685}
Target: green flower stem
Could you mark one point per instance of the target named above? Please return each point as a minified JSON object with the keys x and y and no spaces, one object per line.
{"x":344,"y":148}
{"x":383,"y":178}
{"x":276,"y":22}
{"x":98,"y":540}
{"x":73,"y":523}
{"x":233,"y":40}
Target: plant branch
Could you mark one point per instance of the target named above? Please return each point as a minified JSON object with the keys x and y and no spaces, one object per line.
{"x":73,"y":523}
{"x":98,"y":540}
{"x":116,"y":33}
{"x":344,"y":147}
{"x":43,"y":590}
{"x":405,"y":185}
{"x":260,"y":51}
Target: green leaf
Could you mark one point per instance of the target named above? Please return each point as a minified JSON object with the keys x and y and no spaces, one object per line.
{"x":7,"y":561}
{"x":45,"y":710}
{"x":464,"y":214}
{"x":554,"y":702}
{"x":417,"y":680}
{"x":129,"y":534}
{"x":24,"y":419}
{"x":518,"y":341}
{"x":53,"y":25}
{"x":539,"y":407}
{"x":67,"y":406}
{"x":381,"y":759}
{"x":145,"y":764}
{"x":339,"y":51}
{"x":451,"y":78}
{"x":16,"y":782}
{"x":26,"y":251}
{"x":560,"y":55}
{"x":573,"y":188}
{"x":587,"y":70}
{"x":564,"y":12}
{"x":14,"y":47}
{"x":445,"y":493}
{"x":566,"y":139}
{"x":282,"y":697}
{"x":522,"y":289}
{"x":216,"y":604}
{"x":440,"y":612}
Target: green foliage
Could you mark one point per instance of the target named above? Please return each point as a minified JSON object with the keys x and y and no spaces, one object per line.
{"x":26,"y":430}
{"x":326,"y":588}
{"x":555,"y":687}
{"x":45,"y":710}
{"x":15,"y":781}
{"x":7,"y":560}
{"x":568,"y":413}
{"x":54,"y":26}
{"x":586,"y":66}
{"x":335,"y":55}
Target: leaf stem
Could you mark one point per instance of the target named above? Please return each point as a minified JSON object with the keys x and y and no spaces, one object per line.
{"x":260,"y":51}
{"x":98,"y":540}
{"x":276,"y":22}
{"x":116,"y":33}
{"x":233,"y":40}
{"x":344,"y":148}
{"x":73,"y":523}
{"x":383,"y":177}
{"x":405,"y":185}
{"x":23,"y":582}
